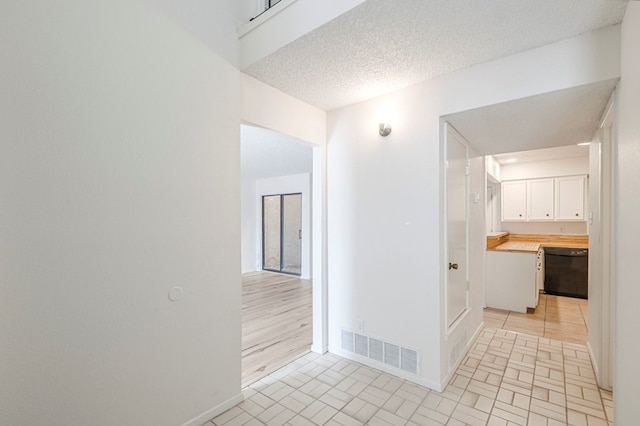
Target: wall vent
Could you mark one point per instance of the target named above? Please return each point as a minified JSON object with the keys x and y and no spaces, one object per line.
{"x":409,"y":360}
{"x":376,"y":349}
{"x":362,"y":345}
{"x":388,"y":353}
{"x":392,"y":354}
{"x":347,"y":340}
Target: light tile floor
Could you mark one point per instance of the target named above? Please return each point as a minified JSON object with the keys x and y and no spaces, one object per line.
{"x":555,"y":317}
{"x":506,"y":378}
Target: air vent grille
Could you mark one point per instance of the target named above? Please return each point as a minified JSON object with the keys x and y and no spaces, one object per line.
{"x":347,"y":340}
{"x":362,"y":345}
{"x":375,"y":349}
{"x":409,"y":360}
{"x":379,"y":350}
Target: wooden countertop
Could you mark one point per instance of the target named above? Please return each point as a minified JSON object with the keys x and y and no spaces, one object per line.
{"x":531,"y":243}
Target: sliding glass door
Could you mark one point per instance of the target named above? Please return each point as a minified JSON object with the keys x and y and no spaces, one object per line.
{"x":282,"y":233}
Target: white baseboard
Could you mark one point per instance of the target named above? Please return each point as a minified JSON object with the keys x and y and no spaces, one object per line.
{"x":383,"y":367}
{"x":319,"y":349}
{"x":215,"y":411}
{"x":594,"y":364}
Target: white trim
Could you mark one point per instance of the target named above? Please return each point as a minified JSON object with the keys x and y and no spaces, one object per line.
{"x":215,"y":411}
{"x":320,"y":316}
{"x":594,"y":364}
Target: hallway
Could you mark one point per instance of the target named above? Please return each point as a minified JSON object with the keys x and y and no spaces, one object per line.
{"x":556,"y":317}
{"x":506,"y":378}
{"x":276,"y":322}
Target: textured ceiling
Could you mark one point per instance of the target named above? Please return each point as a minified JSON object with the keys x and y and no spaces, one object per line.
{"x":265,"y":154}
{"x":564,"y":117}
{"x":384,"y":45}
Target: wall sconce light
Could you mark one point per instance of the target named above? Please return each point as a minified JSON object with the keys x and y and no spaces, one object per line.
{"x":385,"y":129}
{"x":384,"y":117}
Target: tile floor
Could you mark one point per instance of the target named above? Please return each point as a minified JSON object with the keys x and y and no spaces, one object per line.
{"x":555,"y":317}
{"x":507,"y":378}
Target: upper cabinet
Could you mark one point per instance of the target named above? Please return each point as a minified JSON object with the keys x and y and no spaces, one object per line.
{"x":514,"y":201}
{"x":569,"y":198}
{"x":542,"y":200}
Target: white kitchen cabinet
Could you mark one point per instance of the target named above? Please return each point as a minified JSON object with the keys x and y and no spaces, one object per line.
{"x":514,"y":201}
{"x":559,"y":199}
{"x":511,"y":280}
{"x":540,"y":199}
{"x":569,"y":200}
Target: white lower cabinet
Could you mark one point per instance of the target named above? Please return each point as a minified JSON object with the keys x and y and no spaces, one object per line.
{"x":511,"y":280}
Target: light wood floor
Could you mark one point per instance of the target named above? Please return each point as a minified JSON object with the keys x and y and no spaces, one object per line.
{"x":555,"y":317}
{"x":276,"y":322}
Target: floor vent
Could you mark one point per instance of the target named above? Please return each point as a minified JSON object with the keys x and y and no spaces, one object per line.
{"x":388,"y":353}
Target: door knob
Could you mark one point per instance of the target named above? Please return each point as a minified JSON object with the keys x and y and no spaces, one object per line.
{"x":453,"y":266}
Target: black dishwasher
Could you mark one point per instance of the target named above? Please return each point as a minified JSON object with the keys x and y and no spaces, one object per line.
{"x":566,"y":272}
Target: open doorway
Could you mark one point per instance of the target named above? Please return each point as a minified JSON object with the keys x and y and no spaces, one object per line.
{"x":277,"y":291}
{"x":544,"y":185}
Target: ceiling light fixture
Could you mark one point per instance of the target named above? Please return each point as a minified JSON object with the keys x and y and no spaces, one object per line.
{"x":584,"y":143}
{"x":510,"y":160}
{"x":385,"y":129}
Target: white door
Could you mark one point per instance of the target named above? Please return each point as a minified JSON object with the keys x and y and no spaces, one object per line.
{"x":457,"y":289}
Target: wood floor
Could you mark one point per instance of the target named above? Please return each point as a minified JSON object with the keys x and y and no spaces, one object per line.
{"x":276,"y":322}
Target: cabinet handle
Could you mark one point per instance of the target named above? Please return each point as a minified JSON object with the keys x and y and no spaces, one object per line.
{"x":547,"y":214}
{"x":577,"y":214}
{"x":453,"y":266}
{"x":520,"y":215}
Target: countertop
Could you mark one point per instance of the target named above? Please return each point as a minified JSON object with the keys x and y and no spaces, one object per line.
{"x":531,"y":243}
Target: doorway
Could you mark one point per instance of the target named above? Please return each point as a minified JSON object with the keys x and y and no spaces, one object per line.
{"x":282,"y":233}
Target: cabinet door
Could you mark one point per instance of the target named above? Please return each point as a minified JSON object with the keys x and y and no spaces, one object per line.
{"x":514,"y":201}
{"x":570,"y":198}
{"x":540,"y":199}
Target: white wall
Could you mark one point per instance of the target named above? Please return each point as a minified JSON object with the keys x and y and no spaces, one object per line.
{"x":383,"y":193}
{"x":119,"y":179}
{"x":493,"y":167}
{"x":284,"y":23}
{"x":544,"y":169}
{"x":284,"y":185}
{"x":250,"y":258}
{"x":627,"y":202}
{"x":195,"y":18}
{"x":270,"y":108}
